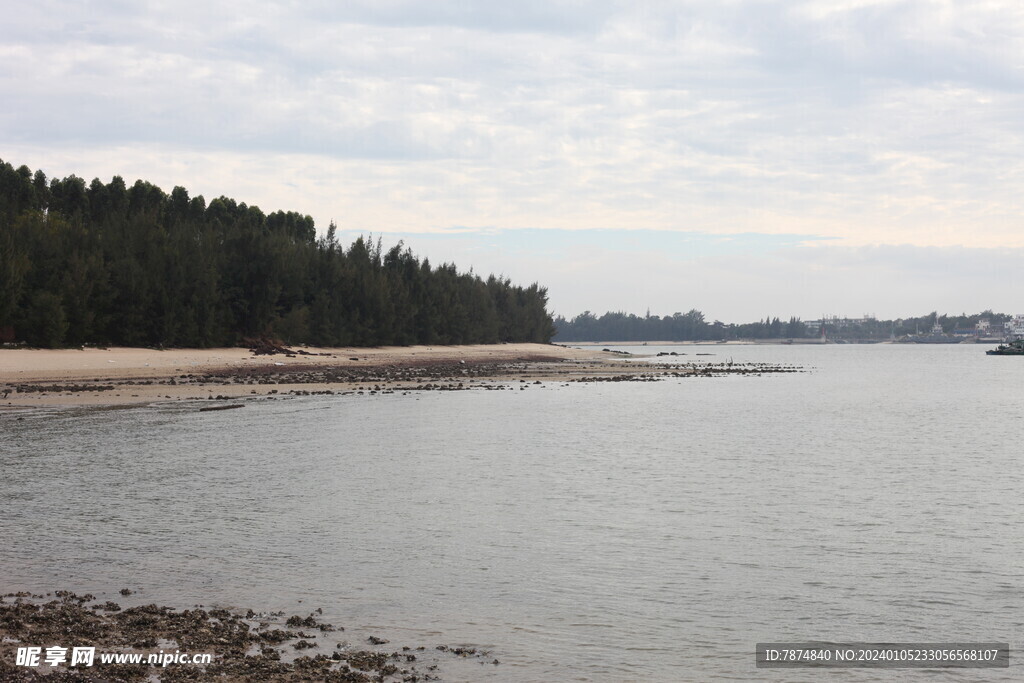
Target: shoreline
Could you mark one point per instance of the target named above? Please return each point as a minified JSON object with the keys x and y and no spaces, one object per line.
{"x":123,"y":376}
{"x":131,"y":376}
{"x":35,"y":365}
{"x":781,"y":341}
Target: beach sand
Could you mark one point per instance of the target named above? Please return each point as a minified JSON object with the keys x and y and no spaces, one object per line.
{"x":18,"y":365}
{"x":118,"y":376}
{"x":98,"y":376}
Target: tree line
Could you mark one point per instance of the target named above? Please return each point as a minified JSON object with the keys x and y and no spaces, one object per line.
{"x":135,"y":266}
{"x":690,"y":326}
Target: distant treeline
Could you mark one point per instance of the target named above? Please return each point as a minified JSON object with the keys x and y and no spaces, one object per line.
{"x":692,"y":326}
{"x":134,"y":266}
{"x":689,"y":326}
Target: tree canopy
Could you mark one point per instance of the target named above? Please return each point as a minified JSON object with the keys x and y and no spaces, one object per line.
{"x":113,"y":264}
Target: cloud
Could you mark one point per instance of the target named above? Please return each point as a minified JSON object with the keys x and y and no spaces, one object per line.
{"x":734,"y":278}
{"x":526,"y":16}
{"x":870,"y":122}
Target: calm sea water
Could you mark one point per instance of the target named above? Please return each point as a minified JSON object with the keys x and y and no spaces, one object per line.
{"x":605,"y":532}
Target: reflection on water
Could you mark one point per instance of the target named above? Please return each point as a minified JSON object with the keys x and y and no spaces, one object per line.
{"x":599,"y":531}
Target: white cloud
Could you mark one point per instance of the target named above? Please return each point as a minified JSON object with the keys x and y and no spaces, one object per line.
{"x":870,"y":121}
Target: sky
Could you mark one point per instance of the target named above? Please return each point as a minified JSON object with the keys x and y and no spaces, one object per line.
{"x":742,"y":157}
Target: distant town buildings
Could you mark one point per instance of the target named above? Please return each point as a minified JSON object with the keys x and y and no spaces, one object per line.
{"x":983,"y":329}
{"x":1015,"y":327}
{"x":837,"y":322}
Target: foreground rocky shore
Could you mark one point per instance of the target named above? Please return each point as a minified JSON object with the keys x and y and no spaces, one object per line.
{"x":242,"y":647}
{"x":124,"y":376}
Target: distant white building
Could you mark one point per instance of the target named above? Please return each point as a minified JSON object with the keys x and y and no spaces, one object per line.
{"x":1015,"y":326}
{"x":836,"y":321}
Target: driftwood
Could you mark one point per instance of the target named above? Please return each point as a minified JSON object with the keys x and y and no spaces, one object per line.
{"x":265,"y":346}
{"x":227,"y":407}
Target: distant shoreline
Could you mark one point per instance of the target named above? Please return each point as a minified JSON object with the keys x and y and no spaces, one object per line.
{"x":706,"y":342}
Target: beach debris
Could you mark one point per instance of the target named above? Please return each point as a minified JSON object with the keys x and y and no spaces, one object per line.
{"x":264,"y":346}
{"x":231,"y":406}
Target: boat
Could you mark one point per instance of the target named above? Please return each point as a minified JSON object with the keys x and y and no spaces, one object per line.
{"x":936,"y":336}
{"x":1014,"y":348}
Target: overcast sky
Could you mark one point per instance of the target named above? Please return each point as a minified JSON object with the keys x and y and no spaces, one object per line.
{"x":746,"y":157}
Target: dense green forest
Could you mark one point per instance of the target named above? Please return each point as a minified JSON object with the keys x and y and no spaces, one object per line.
{"x":135,"y":266}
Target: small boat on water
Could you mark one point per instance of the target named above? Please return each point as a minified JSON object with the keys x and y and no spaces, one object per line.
{"x":1014,"y":348}
{"x":936,"y":336}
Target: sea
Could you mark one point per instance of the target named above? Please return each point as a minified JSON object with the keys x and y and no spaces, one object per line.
{"x":648,"y":531}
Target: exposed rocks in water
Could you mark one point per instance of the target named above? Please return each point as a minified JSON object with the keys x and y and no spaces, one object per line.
{"x":457,"y":377}
{"x":296,"y":621}
{"x":244,"y":647}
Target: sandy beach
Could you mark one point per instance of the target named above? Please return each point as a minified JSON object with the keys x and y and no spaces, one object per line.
{"x":115,"y":376}
{"x":96,"y":363}
{"x":97,"y":376}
